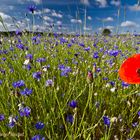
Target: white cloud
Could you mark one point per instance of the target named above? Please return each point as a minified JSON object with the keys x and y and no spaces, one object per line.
{"x":108,"y":19}
{"x":129,"y":24}
{"x":59,"y":22}
{"x":48,"y":19}
{"x":4,"y":16}
{"x":100,"y":29}
{"x":76,"y":21}
{"x":38,"y":12}
{"x":35,"y":1}
{"x":46,"y":10}
{"x":87,"y":28}
{"x":54,"y":14}
{"x":110,"y":27}
{"x":115,"y":2}
{"x":89,"y":18}
{"x":135,"y":7}
{"x":85,"y":2}
{"x":102,"y":3}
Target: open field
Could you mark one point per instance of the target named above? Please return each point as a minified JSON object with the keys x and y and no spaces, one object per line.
{"x":47,"y":90}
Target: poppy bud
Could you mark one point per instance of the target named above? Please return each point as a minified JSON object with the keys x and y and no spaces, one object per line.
{"x":89,"y":77}
{"x":94,"y":71}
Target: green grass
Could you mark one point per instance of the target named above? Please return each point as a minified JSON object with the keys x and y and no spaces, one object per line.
{"x":50,"y":104}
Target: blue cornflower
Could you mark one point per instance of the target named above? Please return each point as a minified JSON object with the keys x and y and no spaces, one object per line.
{"x":3,"y":58}
{"x":28,"y":67}
{"x":63,"y":40}
{"x":105,"y":78}
{"x":26,"y":91}
{"x":112,"y":83}
{"x":18,"y":32}
{"x":20,"y":46}
{"x":49,"y":82}
{"x":12,"y":121}
{"x":38,"y":137}
{"x":11,"y":48}
{"x":87,"y":49}
{"x":39,"y":125}
{"x":124,"y":84}
{"x":29,"y":56}
{"x":139,"y":113}
{"x":0,"y":82}
{"x":70,"y":118}
{"x":73,"y":104}
{"x":82,"y":44}
{"x":69,"y":45}
{"x":96,"y":55}
{"x":37,"y":75}
{"x":61,"y":67}
{"x":2,"y":117}
{"x":18,"y":84}
{"x":65,"y":71}
{"x":25,"y":111}
{"x":32,"y":8}
{"x":106,"y":120}
{"x":40,"y":60}
{"x":114,"y":53}
{"x":135,"y":124}
{"x":98,"y":69}
{"x":97,"y":104}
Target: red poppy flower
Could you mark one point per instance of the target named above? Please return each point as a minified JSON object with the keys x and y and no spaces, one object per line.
{"x":130,"y":70}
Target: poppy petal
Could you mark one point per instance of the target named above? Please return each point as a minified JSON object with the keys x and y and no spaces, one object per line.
{"x":130,"y":70}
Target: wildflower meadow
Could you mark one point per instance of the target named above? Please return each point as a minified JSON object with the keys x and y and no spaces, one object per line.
{"x":67,"y":87}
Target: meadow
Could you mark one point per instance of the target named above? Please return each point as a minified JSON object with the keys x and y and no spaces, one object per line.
{"x":67,"y":87}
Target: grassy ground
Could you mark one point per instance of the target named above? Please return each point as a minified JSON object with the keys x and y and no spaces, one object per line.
{"x":71,"y":105}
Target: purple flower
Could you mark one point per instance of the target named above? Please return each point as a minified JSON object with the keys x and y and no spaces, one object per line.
{"x":37,"y":75}
{"x":69,"y":45}
{"x":18,"y":84}
{"x":3,"y":58}
{"x":97,"y":104}
{"x":26,"y":91}
{"x":70,"y":118}
{"x":28,"y":67}
{"x":112,"y":83}
{"x":29,"y":56}
{"x":49,"y":82}
{"x":87,"y":49}
{"x":2,"y":117}
{"x":12,"y":121}
{"x":0,"y":82}
{"x":11,"y":124}
{"x":39,"y":125}
{"x":18,"y":32}
{"x":73,"y":104}
{"x":61,"y":67}
{"x":139,"y":113}
{"x":135,"y":124}
{"x":25,"y":111}
{"x":114,"y":53}
{"x":32,"y":8}
{"x":20,"y":46}
{"x":96,"y":55}
{"x":65,"y":71}
{"x":82,"y":44}
{"x":124,"y":84}
{"x":38,"y":137}
{"x":40,"y":60}
{"x":106,"y":120}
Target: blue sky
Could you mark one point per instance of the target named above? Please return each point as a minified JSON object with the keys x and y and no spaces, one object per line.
{"x":72,"y":15}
